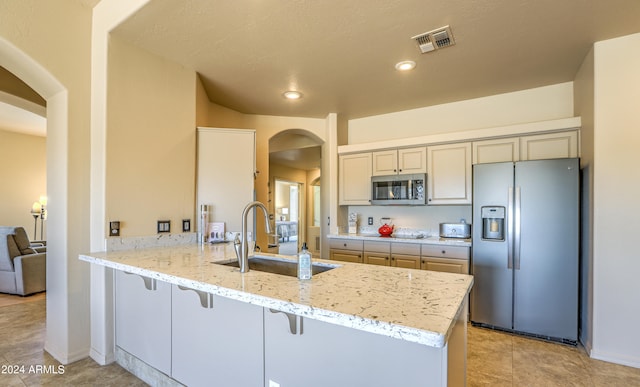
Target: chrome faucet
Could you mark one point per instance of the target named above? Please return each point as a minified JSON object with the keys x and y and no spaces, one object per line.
{"x":243,"y":257}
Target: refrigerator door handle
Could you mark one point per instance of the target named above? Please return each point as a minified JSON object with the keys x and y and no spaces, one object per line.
{"x":516,"y":226}
{"x":510,"y":230}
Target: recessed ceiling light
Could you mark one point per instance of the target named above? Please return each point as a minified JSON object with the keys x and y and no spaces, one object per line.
{"x":405,"y":65}
{"x":291,"y":94}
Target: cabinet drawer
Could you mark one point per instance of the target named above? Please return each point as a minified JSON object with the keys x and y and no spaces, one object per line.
{"x":445,"y":265}
{"x":443,"y":251}
{"x":345,"y":244}
{"x":345,"y":256}
{"x":405,"y":248}
{"x":377,"y":247}
{"x":380,"y":259}
{"x":405,"y":261}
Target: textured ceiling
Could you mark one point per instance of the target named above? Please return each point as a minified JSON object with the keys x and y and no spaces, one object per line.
{"x":341,"y":54}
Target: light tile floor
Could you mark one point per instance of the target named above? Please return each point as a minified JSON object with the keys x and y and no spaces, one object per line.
{"x":23,"y":361}
{"x":502,"y":359}
{"x":494,"y":358}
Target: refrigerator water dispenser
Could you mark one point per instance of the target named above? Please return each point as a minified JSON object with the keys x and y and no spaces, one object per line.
{"x":493,"y":223}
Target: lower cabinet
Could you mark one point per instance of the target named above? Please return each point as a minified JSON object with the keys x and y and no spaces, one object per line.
{"x":215,"y":341}
{"x":346,"y":256}
{"x":377,"y":253}
{"x":303,"y":352}
{"x":143,"y":319}
{"x":451,"y":259}
{"x":446,"y":265}
{"x":346,"y":250}
{"x":405,"y":255}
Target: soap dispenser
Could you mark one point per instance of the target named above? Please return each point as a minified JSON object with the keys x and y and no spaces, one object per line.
{"x":304,"y":263}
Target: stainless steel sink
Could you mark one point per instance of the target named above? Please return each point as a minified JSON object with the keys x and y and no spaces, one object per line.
{"x":278,"y":265}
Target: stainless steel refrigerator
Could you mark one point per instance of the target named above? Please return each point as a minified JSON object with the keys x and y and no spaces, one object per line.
{"x":525,"y":247}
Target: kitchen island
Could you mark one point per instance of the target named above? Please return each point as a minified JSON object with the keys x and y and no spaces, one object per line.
{"x":351,"y":325}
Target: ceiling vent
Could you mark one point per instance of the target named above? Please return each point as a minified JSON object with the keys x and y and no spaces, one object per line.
{"x":433,"y":40}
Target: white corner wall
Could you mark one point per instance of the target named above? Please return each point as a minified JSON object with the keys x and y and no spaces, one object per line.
{"x":616,"y":308}
{"x":532,"y":105}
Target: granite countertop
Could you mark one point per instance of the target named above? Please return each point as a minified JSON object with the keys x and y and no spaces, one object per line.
{"x":414,"y":305}
{"x":431,"y":240}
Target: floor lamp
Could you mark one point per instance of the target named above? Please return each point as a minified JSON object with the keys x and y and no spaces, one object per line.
{"x":36,"y":210}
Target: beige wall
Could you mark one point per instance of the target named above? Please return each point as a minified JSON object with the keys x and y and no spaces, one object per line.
{"x":151,"y":141}
{"x":584,"y":107}
{"x":50,"y":46}
{"x":23,"y":170}
{"x":533,"y":105}
{"x":616,"y":189}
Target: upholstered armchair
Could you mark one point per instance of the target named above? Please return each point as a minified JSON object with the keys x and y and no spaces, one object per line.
{"x":23,"y":270}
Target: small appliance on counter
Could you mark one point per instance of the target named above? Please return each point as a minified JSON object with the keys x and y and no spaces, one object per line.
{"x":460,"y":230}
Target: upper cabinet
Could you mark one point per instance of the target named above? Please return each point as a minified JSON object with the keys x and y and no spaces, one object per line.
{"x":354,"y":186}
{"x":400,"y":161}
{"x":495,"y":151}
{"x":449,"y":174}
{"x":549,"y":146}
{"x":535,"y":147}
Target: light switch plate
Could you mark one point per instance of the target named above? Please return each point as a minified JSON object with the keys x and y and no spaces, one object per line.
{"x":186,"y":225}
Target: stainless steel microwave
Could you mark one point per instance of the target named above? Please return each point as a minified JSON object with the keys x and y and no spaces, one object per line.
{"x":399,"y":189}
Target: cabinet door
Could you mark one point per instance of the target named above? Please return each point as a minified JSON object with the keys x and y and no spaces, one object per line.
{"x":549,"y":146}
{"x":496,"y":151}
{"x":405,"y":261}
{"x":346,"y":256}
{"x":300,"y":351}
{"x":412,"y":160}
{"x":449,"y":174}
{"x":446,"y":265}
{"x":355,"y":179}
{"x":216,"y":341}
{"x":380,"y":259}
{"x":385,"y":162}
{"x":143,"y":319}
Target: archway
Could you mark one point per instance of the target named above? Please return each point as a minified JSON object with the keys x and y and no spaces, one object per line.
{"x":295,"y":157}
{"x":45,"y":84}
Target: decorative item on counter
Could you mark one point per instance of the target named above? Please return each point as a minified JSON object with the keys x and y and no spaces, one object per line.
{"x":386,"y":229}
{"x":203,"y":222}
{"x":353,"y":223}
{"x":216,"y":232}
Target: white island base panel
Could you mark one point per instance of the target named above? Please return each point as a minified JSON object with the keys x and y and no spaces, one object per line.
{"x":197,"y":323}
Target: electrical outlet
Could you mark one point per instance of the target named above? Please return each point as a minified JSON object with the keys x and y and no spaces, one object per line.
{"x":370,"y":221}
{"x":164,"y":226}
{"x":186,"y":225}
{"x":114,"y":228}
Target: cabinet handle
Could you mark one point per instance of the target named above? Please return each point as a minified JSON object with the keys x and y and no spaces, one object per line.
{"x":399,"y":170}
{"x":444,"y":252}
{"x":206,"y":299}
{"x":292,"y":321}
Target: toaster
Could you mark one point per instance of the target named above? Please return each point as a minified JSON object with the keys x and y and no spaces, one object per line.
{"x":455,"y":230}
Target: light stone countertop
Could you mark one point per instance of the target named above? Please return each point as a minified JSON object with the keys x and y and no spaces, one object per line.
{"x":432,"y":240}
{"x":414,"y":305}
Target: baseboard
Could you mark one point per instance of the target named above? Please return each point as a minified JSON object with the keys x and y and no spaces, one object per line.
{"x":615,"y":358}
{"x":142,"y":370}
{"x":63,"y":357}
{"x":101,"y":358}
